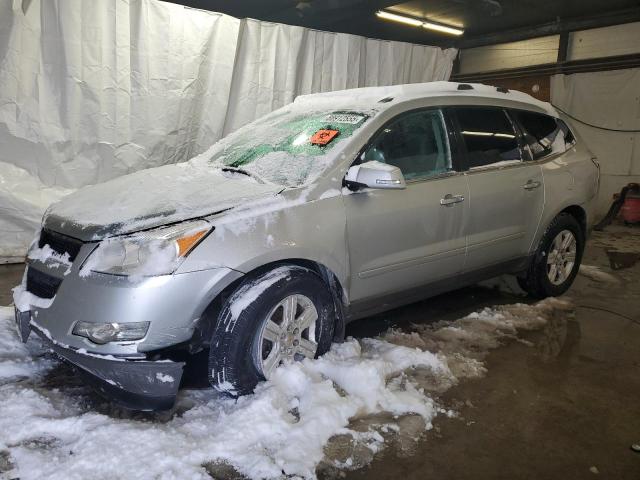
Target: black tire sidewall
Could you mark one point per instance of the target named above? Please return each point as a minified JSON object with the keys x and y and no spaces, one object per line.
{"x":232,"y":366}
{"x":541,"y":281}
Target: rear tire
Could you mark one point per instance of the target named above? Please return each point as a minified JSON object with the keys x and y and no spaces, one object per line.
{"x":557,"y":260}
{"x":260,"y":325}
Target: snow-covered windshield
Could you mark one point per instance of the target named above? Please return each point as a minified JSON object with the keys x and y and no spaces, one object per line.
{"x":288,"y":147}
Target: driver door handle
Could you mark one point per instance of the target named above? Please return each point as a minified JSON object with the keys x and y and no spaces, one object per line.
{"x":531,"y":185}
{"x":449,"y":200}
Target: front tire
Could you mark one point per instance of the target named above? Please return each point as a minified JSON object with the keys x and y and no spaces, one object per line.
{"x":557,"y":259}
{"x":283,"y":315}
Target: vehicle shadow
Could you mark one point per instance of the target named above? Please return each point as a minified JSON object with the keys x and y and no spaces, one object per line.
{"x":446,"y":307}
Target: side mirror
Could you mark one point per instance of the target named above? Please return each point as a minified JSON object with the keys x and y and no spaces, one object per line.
{"x":374,"y":175}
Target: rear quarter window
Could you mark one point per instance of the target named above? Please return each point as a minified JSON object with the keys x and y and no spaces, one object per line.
{"x":543,"y":134}
{"x":569,"y":138}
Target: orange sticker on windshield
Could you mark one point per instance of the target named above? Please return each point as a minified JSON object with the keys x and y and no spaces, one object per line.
{"x":322,"y":137}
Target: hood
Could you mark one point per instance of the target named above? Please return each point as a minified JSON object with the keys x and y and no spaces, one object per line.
{"x":151,"y":198}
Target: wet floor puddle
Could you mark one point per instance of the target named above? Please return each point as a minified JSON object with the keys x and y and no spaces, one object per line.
{"x":621,"y":260}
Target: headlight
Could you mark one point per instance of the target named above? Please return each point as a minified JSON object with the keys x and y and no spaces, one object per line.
{"x":154,"y":252}
{"x":102,"y":333}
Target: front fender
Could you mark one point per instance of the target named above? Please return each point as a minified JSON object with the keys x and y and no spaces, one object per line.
{"x":313,"y":231}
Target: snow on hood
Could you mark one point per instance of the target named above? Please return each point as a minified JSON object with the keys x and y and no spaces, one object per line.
{"x":151,"y":198}
{"x":277,"y":149}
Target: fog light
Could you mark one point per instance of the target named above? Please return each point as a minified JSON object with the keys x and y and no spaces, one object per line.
{"x":102,"y":333}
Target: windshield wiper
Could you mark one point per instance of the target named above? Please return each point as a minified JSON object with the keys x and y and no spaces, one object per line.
{"x":242,"y":172}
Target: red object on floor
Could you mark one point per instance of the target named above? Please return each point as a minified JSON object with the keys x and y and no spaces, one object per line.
{"x":631,"y":208}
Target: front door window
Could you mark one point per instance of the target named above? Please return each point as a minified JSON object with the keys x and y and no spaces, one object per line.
{"x":416,"y":143}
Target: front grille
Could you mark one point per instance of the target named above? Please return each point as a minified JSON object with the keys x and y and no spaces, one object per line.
{"x":41,"y":284}
{"x":60,"y":244}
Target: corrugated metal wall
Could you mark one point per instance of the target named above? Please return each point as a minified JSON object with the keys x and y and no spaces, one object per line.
{"x":503,"y":56}
{"x":583,"y":45}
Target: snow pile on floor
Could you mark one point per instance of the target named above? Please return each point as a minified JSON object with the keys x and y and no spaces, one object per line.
{"x":336,"y":411}
{"x":596,"y":274}
{"x":17,"y":362}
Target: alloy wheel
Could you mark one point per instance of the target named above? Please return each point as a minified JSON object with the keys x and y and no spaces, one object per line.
{"x":561,"y":257}
{"x":288,"y":334}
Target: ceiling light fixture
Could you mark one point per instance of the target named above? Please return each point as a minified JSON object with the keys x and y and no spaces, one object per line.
{"x":414,"y":22}
{"x":442,"y":28}
{"x":399,"y":18}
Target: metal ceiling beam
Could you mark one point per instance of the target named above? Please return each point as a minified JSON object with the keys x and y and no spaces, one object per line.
{"x":563,"y":47}
{"x":553,"y":28}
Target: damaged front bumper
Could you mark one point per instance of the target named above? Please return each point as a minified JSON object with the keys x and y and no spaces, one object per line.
{"x":134,"y":384}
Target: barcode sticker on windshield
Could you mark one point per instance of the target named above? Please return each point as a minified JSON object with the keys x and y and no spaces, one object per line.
{"x":344,"y":118}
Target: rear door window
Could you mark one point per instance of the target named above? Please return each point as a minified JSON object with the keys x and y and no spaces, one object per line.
{"x":489,"y":136}
{"x":543,"y":134}
{"x":415,"y":142}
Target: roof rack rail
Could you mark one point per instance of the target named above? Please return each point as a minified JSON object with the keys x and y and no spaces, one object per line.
{"x":502,"y":89}
{"x":465,"y":86}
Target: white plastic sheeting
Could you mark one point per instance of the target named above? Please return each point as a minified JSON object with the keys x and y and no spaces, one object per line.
{"x":23,"y":199}
{"x":93,"y":90}
{"x":610,"y":100}
{"x":278,"y":62}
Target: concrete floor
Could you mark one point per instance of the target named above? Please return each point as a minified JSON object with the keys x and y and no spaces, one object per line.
{"x":10,"y":276}
{"x":567,"y":408}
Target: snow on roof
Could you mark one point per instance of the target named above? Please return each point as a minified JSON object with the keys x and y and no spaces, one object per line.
{"x":370,"y":96}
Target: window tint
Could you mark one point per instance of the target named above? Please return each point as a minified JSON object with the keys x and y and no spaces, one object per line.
{"x":416,"y":143}
{"x":488,"y":135}
{"x":543,"y":133}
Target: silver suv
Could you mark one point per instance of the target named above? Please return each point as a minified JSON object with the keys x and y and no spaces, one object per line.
{"x":333,"y":208}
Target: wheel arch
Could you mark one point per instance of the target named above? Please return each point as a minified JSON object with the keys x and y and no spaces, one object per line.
{"x":207,"y":323}
{"x":574,"y":209}
{"x":534,"y":278}
{"x":579,"y":213}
